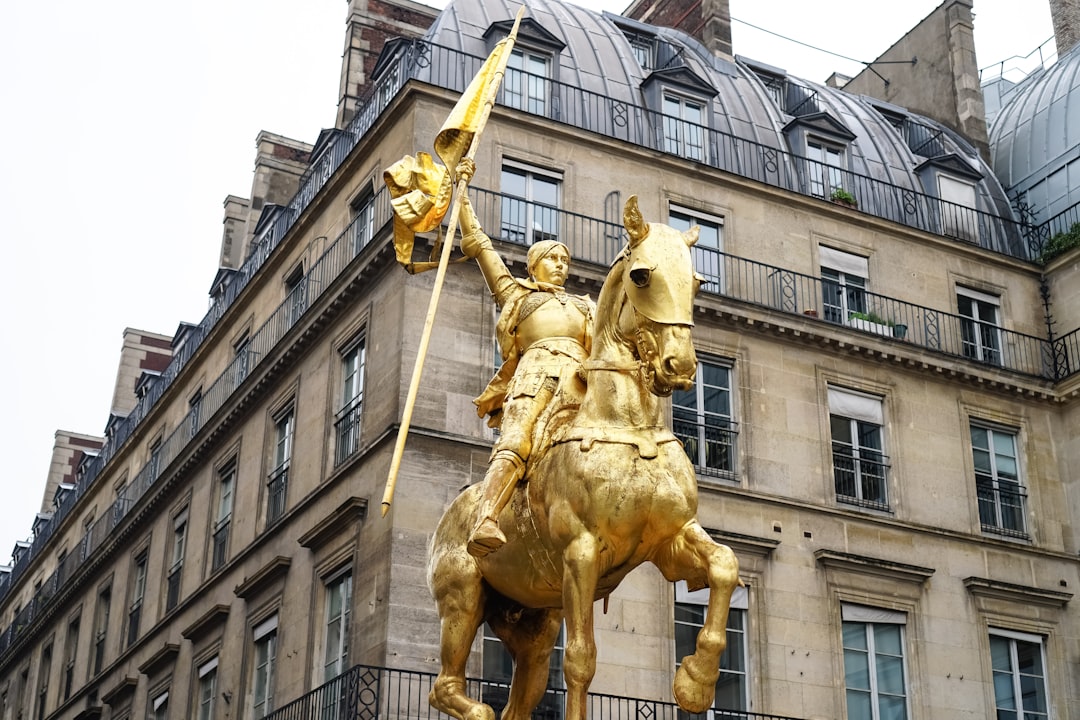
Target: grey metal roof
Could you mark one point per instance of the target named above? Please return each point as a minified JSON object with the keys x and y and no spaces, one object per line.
{"x":1037,"y":133}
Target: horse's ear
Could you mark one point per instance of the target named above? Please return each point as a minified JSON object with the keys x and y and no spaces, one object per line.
{"x":635,"y":225}
{"x":691,"y":235}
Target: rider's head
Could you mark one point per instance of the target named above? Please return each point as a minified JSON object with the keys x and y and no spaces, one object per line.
{"x":556,"y":255}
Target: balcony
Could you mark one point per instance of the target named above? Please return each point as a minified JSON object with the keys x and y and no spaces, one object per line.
{"x":347,"y":430}
{"x":374,"y":692}
{"x":276,"y":488}
{"x":709,"y":445}
{"x":860,"y":481}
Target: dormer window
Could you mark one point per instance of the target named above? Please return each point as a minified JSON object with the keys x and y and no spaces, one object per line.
{"x":953,"y":181}
{"x":683,"y":101}
{"x":528,"y":76}
{"x":828,"y":162}
{"x":823,"y":142}
{"x":684,"y":132}
{"x":772,"y":78}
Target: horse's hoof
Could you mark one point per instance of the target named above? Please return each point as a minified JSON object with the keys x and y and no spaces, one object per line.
{"x":691,"y":695}
{"x":480,"y":711}
{"x":485,"y":539}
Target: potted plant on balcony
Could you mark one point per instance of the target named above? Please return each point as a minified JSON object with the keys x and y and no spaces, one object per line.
{"x":840,"y":196}
{"x":870,"y":322}
{"x":899,"y":330}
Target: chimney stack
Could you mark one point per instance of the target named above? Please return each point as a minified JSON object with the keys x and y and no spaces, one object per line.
{"x":1065,"y":14}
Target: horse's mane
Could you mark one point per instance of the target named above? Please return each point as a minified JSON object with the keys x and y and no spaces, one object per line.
{"x":608,"y":305}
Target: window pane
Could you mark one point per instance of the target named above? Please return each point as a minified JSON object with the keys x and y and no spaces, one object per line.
{"x":890,"y":674}
{"x":858,"y":706}
{"x":887,"y":639}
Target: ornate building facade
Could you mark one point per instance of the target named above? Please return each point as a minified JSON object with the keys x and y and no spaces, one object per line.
{"x":883,"y":423}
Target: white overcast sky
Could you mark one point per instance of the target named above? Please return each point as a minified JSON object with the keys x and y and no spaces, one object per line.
{"x":126,"y":123}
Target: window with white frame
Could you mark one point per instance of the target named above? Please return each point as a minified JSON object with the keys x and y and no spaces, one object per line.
{"x":843,"y":284}
{"x":874,"y":663}
{"x":226,"y":487}
{"x":296,"y":295}
{"x":733,"y":685}
{"x":997,"y":480}
{"x":826,"y":169}
{"x":527,"y":79}
{"x":702,"y":420}
{"x":207,"y":691}
{"x":278,"y":484}
{"x":860,"y":467}
{"x":530,"y":203}
{"x":336,"y":636}
{"x":347,"y":422}
{"x":980,"y":335}
{"x":708,"y":250}
{"x":958,"y":217}
{"x":101,"y":628}
{"x":176,"y":559}
{"x":1019,"y":667}
{"x":265,"y":637}
{"x":498,"y":668}
{"x":138,"y":594}
{"x":71,"y":649}
{"x":684,"y":126}
{"x":159,"y":707}
{"x":363,"y":224}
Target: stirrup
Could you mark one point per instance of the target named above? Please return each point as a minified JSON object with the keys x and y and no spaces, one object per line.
{"x":485,"y":538}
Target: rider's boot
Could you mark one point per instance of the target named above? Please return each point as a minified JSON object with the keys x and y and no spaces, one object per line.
{"x":503,"y":473}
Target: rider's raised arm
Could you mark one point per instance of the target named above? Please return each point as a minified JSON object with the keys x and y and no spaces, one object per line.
{"x":477,"y":245}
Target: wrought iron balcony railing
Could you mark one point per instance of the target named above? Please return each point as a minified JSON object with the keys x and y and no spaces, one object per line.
{"x":374,"y":692}
{"x":861,"y":480}
{"x":1002,"y":507}
{"x":710,"y":445}
{"x":347,"y":429}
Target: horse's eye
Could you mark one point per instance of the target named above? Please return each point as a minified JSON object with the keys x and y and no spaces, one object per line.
{"x":640,"y":276}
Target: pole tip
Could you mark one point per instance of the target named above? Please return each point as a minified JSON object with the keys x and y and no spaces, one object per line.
{"x":385,"y":508}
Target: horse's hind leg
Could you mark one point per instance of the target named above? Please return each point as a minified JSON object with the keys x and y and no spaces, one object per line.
{"x":695,"y":557}
{"x":459,"y":595}
{"x":529,"y":641}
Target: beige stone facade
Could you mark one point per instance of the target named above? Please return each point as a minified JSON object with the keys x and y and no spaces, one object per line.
{"x":221,"y":528}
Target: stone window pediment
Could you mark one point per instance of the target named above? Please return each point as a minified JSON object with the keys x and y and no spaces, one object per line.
{"x":952,"y":164}
{"x":530,"y":33}
{"x":679,"y":78}
{"x":821,"y":124}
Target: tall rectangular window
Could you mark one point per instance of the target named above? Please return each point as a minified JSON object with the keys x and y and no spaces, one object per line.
{"x":860,"y":468}
{"x":159,"y":707}
{"x":242,"y":363}
{"x":223,"y":517}
{"x":176,"y":559}
{"x":958,"y":216}
{"x":44,"y":672}
{"x":207,"y":691}
{"x":153,"y":467}
{"x":278,"y":484}
{"x":530,"y":203}
{"x":979,"y":332}
{"x":874,"y":672}
{"x":525,"y":86}
{"x":71,"y":651}
{"x":336,"y":642}
{"x":1019,"y":669}
{"x":732,"y":687}
{"x":138,"y":594}
{"x":684,"y":132}
{"x":347,"y":423}
{"x":826,"y":167}
{"x":843,"y":284}
{"x":708,"y":250}
{"x":498,"y":669}
{"x":363,"y":225}
{"x":101,"y":627}
{"x":702,"y":421}
{"x":296,"y":298}
{"x":997,"y":481}
{"x":265,"y":638}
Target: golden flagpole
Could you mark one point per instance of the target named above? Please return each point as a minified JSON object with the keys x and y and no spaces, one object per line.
{"x":440,"y":275}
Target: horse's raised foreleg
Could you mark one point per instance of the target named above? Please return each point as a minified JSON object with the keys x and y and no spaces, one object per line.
{"x":580,"y":572}
{"x":459,"y":595}
{"x":529,"y":641}
{"x":695,"y":557}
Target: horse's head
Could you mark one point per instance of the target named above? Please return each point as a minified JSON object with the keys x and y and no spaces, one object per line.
{"x":660,"y":284}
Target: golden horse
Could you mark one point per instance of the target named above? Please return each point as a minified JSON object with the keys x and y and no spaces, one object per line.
{"x":615,"y":490}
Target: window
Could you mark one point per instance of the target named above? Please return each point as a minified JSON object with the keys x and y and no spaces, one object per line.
{"x":644,"y":49}
{"x":684,"y":134}
{"x":997,"y":481}
{"x":176,"y":561}
{"x":295,"y":295}
{"x":498,"y":670}
{"x":242,"y":363}
{"x":708,"y":250}
{"x":1019,"y":675}
{"x":194,"y":405}
{"x":44,"y":671}
{"x":702,"y":420}
{"x":732,"y":687}
{"x":223,"y":520}
{"x":352,"y":399}
{"x":265,"y":638}
{"x":530,"y":204}
{"x":389,"y":84}
{"x":278,"y":485}
{"x":826,"y":167}
{"x":207,"y":689}
{"x":958,"y":218}
{"x":874,"y":663}
{"x":153,"y":467}
{"x":363,"y":226}
{"x":859,"y":467}
{"x":101,"y":626}
{"x":336,"y":640}
{"x":979,"y":333}
{"x":843,"y":284}
{"x":159,"y":707}
{"x":525,"y":85}
{"x":138,"y":594}
{"x":71,"y":651}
